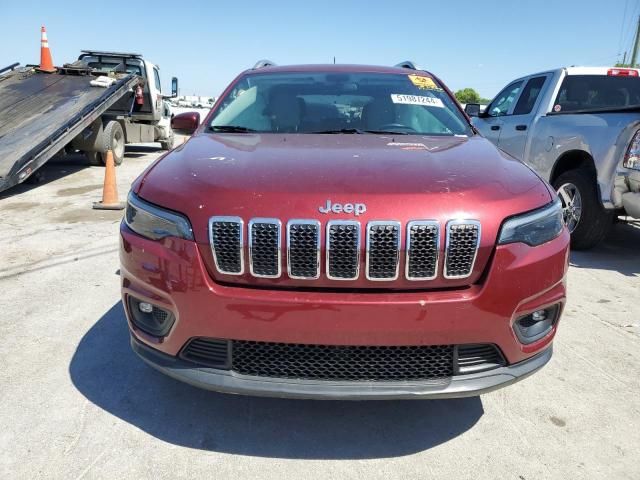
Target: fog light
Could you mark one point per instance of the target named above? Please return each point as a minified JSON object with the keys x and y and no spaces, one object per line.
{"x":150,"y":318}
{"x":536,"y":325}
{"x":148,"y":308}
{"x":537,"y":316}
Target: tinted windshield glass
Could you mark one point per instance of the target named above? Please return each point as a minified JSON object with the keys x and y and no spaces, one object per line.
{"x":339,"y":102}
{"x":592,"y":92}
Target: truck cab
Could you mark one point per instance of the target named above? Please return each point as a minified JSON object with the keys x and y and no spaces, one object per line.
{"x":129,"y":121}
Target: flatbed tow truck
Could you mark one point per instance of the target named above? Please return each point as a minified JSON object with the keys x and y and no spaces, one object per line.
{"x":44,"y":113}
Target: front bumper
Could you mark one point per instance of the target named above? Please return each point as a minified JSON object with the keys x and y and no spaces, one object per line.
{"x":230,"y":382}
{"x":171,"y":274}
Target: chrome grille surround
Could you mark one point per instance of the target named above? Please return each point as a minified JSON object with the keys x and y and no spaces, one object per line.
{"x":343,"y":248}
{"x":295,"y":251}
{"x":347,"y":229}
{"x":379,"y":266}
{"x":231,"y":253}
{"x":462,"y":243}
{"x":422,"y":247}
{"x":265,"y":235}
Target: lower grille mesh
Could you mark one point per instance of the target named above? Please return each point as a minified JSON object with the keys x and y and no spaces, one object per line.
{"x":337,"y":362}
{"x":342,"y":362}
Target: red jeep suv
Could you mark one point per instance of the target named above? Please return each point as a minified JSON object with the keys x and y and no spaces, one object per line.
{"x":342,"y":231}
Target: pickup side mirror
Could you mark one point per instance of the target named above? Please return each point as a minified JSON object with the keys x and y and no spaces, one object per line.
{"x":185,"y":123}
{"x":472,"y":109}
{"x":174,"y":87}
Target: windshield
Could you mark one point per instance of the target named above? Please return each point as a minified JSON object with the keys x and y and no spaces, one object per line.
{"x":325,"y":102}
{"x":595,"y":92}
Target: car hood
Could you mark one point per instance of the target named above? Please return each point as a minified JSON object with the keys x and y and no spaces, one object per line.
{"x":403,"y":177}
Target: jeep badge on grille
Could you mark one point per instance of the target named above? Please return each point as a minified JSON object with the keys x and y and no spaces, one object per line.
{"x":355,"y":208}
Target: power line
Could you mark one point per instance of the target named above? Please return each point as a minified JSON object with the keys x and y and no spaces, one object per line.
{"x":624,"y":18}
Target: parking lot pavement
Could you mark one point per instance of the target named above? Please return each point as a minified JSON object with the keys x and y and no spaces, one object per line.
{"x":76,"y":403}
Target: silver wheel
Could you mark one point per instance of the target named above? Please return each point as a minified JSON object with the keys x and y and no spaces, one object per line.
{"x":118,"y":144}
{"x":571,"y":205}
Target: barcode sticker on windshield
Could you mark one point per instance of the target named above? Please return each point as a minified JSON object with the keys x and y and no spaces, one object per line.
{"x":416,"y":100}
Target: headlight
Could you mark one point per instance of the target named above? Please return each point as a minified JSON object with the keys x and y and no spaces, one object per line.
{"x":153,"y":222}
{"x":632,"y":157}
{"x":534,"y":228}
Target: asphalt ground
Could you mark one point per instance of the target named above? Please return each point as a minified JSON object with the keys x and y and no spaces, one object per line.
{"x":75,"y":402}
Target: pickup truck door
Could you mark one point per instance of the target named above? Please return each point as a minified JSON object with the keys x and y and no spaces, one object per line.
{"x":516,"y":125}
{"x":490,"y":123}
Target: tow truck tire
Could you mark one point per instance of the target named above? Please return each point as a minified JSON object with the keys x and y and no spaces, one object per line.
{"x":168,"y":143}
{"x":595,"y":221}
{"x":94,"y":158}
{"x":114,"y":140}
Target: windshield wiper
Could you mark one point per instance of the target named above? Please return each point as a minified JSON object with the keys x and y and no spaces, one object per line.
{"x":340,"y":130}
{"x":385,"y":132}
{"x":231,"y":129}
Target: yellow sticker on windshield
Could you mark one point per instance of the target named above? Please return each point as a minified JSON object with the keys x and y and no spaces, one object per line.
{"x":425,"y":83}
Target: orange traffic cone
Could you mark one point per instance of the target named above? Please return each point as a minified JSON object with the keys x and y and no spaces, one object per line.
{"x":110,"y":190}
{"x":46,"y":63}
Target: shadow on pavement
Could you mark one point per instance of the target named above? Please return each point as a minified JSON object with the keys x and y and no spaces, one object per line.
{"x":109,"y":374}
{"x":619,"y":252}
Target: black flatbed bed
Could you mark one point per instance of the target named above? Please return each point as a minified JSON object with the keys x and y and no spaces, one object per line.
{"x":40,"y":113}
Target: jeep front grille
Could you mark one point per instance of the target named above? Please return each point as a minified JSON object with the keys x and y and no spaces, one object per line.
{"x":264,"y":247}
{"x":343,"y":250}
{"x":303,"y":249}
{"x":423,"y":244}
{"x":226,"y":239}
{"x":383,"y":250}
{"x":463,"y":239}
{"x":344,"y":247}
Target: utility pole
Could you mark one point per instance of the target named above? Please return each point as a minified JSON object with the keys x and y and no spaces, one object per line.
{"x":636,"y":45}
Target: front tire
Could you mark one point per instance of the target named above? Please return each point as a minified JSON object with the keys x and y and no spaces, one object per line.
{"x":114,"y":140}
{"x":586,"y":218}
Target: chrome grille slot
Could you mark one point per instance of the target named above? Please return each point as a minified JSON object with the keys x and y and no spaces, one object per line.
{"x":303,"y":249}
{"x":463,"y":240}
{"x":383,"y":247}
{"x":226,"y":240}
{"x":423,"y":245}
{"x":343,"y":250}
{"x":264,"y":247}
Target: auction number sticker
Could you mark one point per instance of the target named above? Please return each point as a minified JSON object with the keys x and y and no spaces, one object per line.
{"x":416,"y":100}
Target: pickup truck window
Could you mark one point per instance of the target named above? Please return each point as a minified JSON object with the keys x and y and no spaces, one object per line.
{"x":156,"y":77}
{"x":527,"y":100}
{"x":597,"y":92}
{"x":335,"y":102}
{"x":503,"y":101}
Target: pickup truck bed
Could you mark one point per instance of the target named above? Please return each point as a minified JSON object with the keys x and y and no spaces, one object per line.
{"x":40,"y":113}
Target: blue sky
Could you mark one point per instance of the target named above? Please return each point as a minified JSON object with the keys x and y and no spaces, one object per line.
{"x":479,"y":44}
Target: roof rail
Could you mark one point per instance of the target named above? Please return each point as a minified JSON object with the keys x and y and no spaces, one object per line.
{"x":263,"y":63}
{"x":408,"y":64}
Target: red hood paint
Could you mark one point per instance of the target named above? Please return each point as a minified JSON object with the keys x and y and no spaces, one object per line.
{"x":404,"y":177}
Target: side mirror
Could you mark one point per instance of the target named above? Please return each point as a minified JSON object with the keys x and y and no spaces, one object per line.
{"x":174,"y":87}
{"x":472,"y":109}
{"x":185,"y":123}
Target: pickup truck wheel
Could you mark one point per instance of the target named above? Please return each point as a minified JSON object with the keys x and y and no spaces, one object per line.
{"x":169,"y":142}
{"x":114,"y":140}
{"x":587,"y":220}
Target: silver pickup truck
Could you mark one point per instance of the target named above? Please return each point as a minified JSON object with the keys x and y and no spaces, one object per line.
{"x":579,"y":128}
